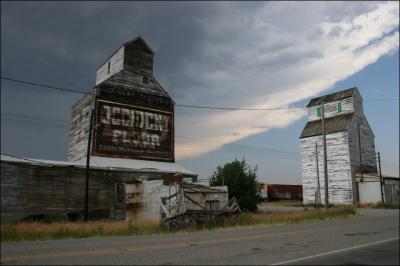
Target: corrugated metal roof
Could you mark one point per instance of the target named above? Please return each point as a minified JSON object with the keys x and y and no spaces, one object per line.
{"x":332,"y":97}
{"x":332,"y":125}
{"x":111,"y":164}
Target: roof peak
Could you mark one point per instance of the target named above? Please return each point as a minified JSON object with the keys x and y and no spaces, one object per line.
{"x":140,"y":39}
{"x":332,"y":96}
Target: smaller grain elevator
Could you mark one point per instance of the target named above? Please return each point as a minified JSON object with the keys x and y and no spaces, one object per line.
{"x":349,"y":142}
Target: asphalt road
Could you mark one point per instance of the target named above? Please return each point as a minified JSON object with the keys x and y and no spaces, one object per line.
{"x":369,"y":239}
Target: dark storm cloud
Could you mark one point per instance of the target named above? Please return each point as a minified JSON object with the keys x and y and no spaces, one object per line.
{"x":62,"y":43}
{"x":75,"y":38}
{"x":207,"y":53}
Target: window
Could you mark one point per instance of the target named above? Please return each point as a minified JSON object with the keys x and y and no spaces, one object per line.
{"x":339,"y":107}
{"x":120,"y":191}
{"x":145,"y":80}
{"x":108,"y":71}
{"x":318,"y":111}
{"x":212,"y":205}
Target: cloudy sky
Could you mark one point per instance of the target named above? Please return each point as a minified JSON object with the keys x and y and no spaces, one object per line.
{"x":228,"y":54}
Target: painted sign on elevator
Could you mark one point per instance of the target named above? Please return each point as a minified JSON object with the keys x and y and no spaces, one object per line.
{"x":134,"y":132}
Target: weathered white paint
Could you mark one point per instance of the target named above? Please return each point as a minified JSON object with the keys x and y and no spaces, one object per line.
{"x":202,"y":198}
{"x":370,"y":192}
{"x":340,"y":182}
{"x":343,"y":154}
{"x":153,"y":191}
{"x":112,"y":66}
{"x":148,"y":195}
{"x":331,"y":109}
{"x":79,"y":128}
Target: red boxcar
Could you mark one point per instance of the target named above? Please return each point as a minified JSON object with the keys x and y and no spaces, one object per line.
{"x":279,"y":192}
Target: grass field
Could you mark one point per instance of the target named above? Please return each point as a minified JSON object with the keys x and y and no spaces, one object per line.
{"x":60,"y":230}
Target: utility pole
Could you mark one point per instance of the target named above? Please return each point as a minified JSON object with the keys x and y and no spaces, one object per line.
{"x":87,"y":167}
{"x":325,"y":155}
{"x":359,"y":149}
{"x":318,"y":193}
{"x":380,"y":175}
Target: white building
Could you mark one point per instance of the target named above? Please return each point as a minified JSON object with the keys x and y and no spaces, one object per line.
{"x":346,"y":127}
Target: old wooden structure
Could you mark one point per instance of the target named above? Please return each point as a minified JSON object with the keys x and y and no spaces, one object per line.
{"x":118,"y":188}
{"x":132,"y":159}
{"x":193,"y":205}
{"x":133,"y":113}
{"x":350,"y":147}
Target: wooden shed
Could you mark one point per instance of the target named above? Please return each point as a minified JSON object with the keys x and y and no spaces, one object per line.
{"x":118,"y":188}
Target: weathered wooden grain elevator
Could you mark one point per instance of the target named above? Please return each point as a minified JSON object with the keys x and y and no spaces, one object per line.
{"x":350,"y":147}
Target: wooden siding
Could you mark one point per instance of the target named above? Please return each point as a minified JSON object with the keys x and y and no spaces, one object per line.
{"x":28,"y":189}
{"x":135,"y":57}
{"x":130,"y":85}
{"x":368,"y":155}
{"x":340,"y":182}
{"x":79,"y":128}
{"x":111,"y":67}
{"x":138,"y":58}
{"x":331,"y":109}
{"x":358,"y":104}
{"x":202,"y":198}
{"x":342,"y":148}
{"x":130,"y":81}
{"x":333,"y":97}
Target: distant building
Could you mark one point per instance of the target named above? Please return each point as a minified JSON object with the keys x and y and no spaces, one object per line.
{"x":346,"y":127}
{"x":284,"y":192}
{"x":372,"y":189}
{"x":273,"y":192}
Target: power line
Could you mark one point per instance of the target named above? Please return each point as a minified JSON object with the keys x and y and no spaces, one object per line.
{"x":45,"y":86}
{"x":178,"y":105}
{"x":25,"y":159}
{"x":239,"y":145}
{"x":240,"y":109}
{"x":274,"y":153}
{"x":47,"y":122}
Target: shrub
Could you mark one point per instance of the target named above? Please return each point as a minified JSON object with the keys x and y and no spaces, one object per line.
{"x":241,"y":180}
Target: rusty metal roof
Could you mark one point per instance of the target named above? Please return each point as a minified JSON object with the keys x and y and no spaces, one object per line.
{"x":332,"y":125}
{"x":332,"y":97}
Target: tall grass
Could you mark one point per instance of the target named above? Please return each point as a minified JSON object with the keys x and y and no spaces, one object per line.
{"x":289,"y":217}
{"x":61,"y":230}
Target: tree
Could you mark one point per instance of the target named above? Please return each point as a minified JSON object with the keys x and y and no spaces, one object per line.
{"x":241,"y":180}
